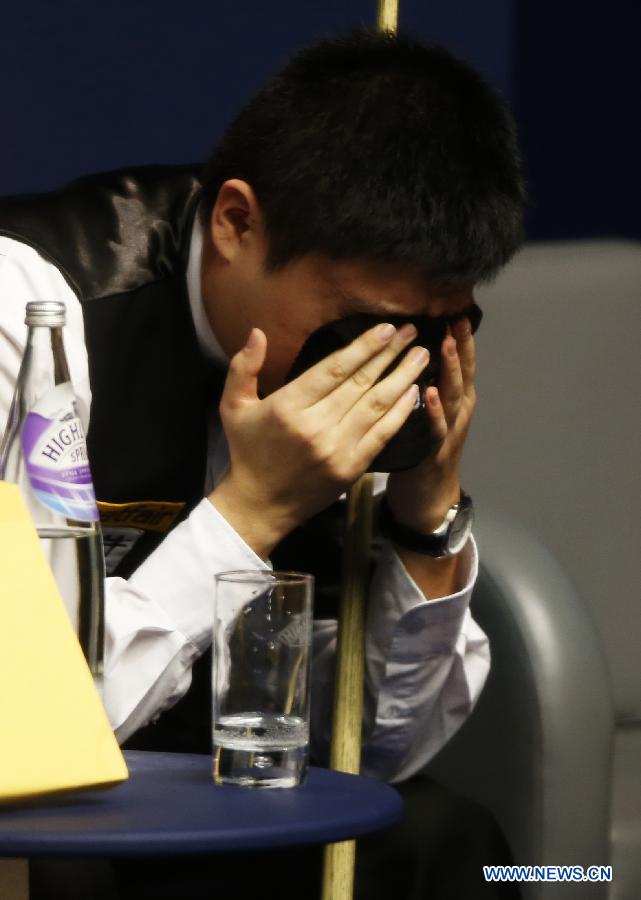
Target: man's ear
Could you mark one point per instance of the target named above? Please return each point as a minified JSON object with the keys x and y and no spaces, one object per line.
{"x":236,"y":219}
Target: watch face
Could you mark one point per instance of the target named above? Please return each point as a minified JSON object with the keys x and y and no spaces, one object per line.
{"x":459,"y":530}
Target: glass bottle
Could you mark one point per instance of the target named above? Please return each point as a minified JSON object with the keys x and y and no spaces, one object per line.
{"x":44,"y":452}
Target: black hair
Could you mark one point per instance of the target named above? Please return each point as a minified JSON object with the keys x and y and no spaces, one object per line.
{"x":375,"y":147}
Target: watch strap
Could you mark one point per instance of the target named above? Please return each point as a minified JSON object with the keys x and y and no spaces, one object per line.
{"x":434,"y":545}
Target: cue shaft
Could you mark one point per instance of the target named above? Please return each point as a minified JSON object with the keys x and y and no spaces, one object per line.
{"x":387,"y":16}
{"x":350,"y":657}
{"x":340,"y":858}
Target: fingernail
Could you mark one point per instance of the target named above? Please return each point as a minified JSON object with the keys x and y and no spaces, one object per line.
{"x":451,"y":348}
{"x":385,"y":332}
{"x":419,"y":356}
{"x":411,"y":394}
{"x":407,"y":331}
{"x":252,"y":340}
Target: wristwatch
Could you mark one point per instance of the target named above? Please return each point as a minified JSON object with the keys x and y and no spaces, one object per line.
{"x":448,"y":539}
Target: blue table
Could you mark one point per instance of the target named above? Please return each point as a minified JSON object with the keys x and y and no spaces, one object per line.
{"x":170,"y":805}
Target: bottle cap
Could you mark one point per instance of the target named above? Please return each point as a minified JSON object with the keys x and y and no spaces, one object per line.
{"x":45,"y":312}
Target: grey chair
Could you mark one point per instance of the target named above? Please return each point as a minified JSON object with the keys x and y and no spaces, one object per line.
{"x":554,"y":745}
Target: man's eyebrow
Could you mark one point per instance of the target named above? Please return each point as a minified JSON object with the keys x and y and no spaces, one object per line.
{"x":371,"y":306}
{"x":376,"y":307}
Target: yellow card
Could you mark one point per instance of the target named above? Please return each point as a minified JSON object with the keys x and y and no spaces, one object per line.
{"x":54,"y":733}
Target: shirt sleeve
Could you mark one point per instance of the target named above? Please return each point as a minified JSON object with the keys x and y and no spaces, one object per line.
{"x":425,"y":665}
{"x":160,"y":620}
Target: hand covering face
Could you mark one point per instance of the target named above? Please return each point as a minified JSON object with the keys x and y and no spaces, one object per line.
{"x":414,"y":441}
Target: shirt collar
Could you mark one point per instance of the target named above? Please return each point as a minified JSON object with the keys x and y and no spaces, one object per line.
{"x":207,"y":341}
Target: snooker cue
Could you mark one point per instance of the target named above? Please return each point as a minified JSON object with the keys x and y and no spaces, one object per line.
{"x":345,"y":755}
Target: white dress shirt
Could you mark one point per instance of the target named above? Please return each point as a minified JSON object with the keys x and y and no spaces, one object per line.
{"x":426,"y":660}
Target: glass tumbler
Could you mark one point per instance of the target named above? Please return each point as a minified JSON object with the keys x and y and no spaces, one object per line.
{"x":261,"y":677}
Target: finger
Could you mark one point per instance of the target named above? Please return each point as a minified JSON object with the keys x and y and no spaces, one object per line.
{"x":436,"y":414}
{"x":322,"y":379}
{"x":241,"y":384}
{"x":466,"y":347}
{"x":332,"y":408}
{"x":382,"y":397}
{"x":451,"y":380}
{"x":385,"y":428}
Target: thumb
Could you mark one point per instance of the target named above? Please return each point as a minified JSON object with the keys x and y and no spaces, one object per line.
{"x":242,"y":377}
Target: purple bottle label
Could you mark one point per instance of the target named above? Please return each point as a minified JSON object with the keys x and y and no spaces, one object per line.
{"x":55,"y":451}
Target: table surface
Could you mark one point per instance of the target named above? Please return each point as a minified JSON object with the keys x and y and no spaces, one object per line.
{"x":171,"y":805}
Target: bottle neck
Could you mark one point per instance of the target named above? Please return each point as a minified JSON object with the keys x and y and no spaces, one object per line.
{"x":45,"y":357}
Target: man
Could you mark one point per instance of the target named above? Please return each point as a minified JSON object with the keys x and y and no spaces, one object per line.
{"x":371,"y":175}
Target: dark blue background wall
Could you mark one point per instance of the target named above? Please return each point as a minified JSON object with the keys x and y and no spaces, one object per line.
{"x":577,"y":99}
{"x":88,"y":86}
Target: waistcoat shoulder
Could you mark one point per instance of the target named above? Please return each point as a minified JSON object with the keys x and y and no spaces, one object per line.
{"x":143,"y":217}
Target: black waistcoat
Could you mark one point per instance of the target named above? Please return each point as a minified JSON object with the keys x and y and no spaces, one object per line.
{"x":121,"y":240}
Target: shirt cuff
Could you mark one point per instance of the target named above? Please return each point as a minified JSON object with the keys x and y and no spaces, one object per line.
{"x":404,"y":625}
